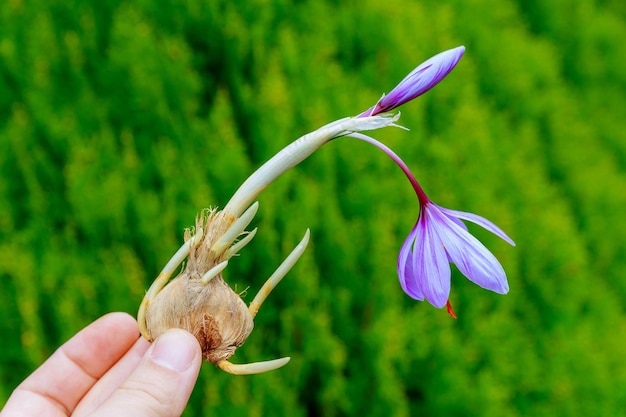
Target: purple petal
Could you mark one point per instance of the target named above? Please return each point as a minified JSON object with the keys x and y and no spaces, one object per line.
{"x":481,"y":221}
{"x":405,"y":268}
{"x":430,"y":262}
{"x":469,"y":255}
{"x":458,"y":222}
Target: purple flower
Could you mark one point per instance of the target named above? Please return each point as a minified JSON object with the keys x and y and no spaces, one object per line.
{"x":419,"y":81}
{"x":439,"y":238}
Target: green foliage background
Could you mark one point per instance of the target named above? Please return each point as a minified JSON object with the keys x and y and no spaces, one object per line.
{"x":119,"y":121}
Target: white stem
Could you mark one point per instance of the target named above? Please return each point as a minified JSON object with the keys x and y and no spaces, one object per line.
{"x":296,"y":152}
{"x":233,"y":250}
{"x":252,"y":368}
{"x":279,"y":274}
{"x":235,"y":230}
{"x":213,"y":272}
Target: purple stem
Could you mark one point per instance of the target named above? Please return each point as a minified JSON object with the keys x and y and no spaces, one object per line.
{"x":421,"y":195}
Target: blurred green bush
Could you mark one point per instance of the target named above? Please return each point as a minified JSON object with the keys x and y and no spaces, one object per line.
{"x":119,"y":121}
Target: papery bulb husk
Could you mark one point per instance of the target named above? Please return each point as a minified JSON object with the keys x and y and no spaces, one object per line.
{"x":213,"y":313}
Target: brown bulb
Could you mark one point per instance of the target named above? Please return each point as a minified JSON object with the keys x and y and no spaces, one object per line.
{"x":213,"y":313}
{"x":207,"y":308}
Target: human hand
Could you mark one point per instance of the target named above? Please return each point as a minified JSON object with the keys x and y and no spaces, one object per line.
{"x":106,"y":370}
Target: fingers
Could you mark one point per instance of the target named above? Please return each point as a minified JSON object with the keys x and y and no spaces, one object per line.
{"x":57,"y":386}
{"x":161,"y":383}
{"x":103,"y":389}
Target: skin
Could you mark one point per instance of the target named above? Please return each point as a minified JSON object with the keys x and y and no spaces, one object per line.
{"x":106,"y":369}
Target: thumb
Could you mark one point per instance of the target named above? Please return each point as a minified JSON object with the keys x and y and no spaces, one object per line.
{"x":161,"y":383}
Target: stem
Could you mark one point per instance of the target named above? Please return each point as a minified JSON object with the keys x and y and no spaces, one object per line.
{"x":421,"y":195}
{"x":296,"y":152}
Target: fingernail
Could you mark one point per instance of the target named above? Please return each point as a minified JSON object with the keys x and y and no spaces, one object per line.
{"x":174,"y":350}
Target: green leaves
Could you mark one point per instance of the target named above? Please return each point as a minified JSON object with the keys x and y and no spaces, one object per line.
{"x":120,"y":122}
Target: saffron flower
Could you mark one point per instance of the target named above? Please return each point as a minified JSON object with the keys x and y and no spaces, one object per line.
{"x":201,"y":302}
{"x":439,"y":235}
{"x":438,"y":238}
